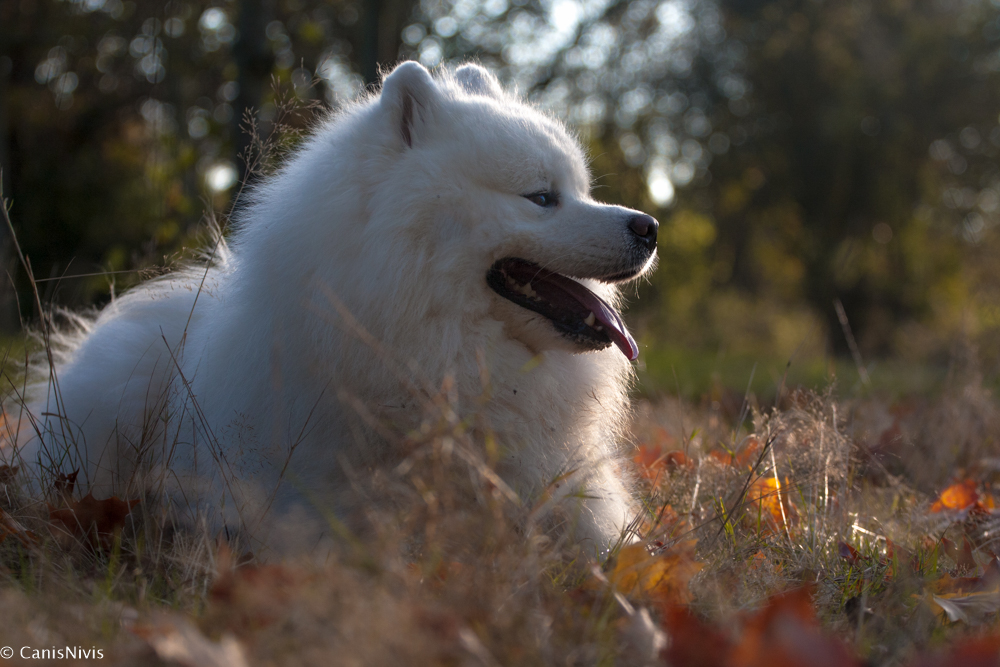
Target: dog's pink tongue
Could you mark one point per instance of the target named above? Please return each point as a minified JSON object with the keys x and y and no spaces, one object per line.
{"x":604,"y":314}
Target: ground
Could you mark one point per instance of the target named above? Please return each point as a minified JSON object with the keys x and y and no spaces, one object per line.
{"x":814,"y":528}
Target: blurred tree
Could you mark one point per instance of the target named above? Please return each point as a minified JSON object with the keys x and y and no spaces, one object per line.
{"x":798,"y":151}
{"x":117,"y":119}
{"x":865,"y":159}
{"x":802,"y":151}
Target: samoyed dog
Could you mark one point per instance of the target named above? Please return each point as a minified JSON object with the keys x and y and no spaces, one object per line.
{"x":437,"y":228}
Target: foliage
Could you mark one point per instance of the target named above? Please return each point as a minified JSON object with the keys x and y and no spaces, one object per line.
{"x":122,"y":120}
{"x":799,"y":153}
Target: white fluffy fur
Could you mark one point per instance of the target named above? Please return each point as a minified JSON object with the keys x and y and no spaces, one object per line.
{"x":392,"y":211}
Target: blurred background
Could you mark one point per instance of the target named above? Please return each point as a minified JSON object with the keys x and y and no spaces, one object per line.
{"x":825,"y":172}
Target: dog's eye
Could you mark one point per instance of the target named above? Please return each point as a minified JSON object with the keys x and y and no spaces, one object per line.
{"x":543,"y":199}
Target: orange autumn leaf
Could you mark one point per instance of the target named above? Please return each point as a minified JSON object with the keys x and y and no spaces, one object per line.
{"x":666,"y":525}
{"x":95,"y":520}
{"x":744,"y":456}
{"x":661,"y":577}
{"x":747,"y":455}
{"x":786,"y":633}
{"x":759,"y":560}
{"x":957,"y":497}
{"x":768,"y":501}
{"x":693,"y":642}
{"x":652,"y":461}
{"x":648,"y":460}
{"x":676,"y":459}
{"x":722,"y":457}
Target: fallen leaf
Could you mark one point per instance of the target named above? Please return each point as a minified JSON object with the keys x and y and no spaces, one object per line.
{"x":63,"y":487}
{"x":97,"y":521}
{"x":175,"y":639}
{"x":767,"y":504}
{"x":677,"y":459}
{"x":962,"y":556}
{"x":986,"y":502}
{"x":651,"y":461}
{"x":785,"y":633}
{"x":692,"y":642}
{"x":968,"y":599}
{"x":11,"y":526}
{"x":246,"y":598}
{"x":757,"y":561}
{"x":666,"y":526}
{"x":896,"y":554}
{"x":748,"y":454}
{"x":971,"y":608}
{"x":848,"y":553}
{"x":972,"y":652}
{"x":957,"y":497}
{"x":661,"y":577}
{"x":8,"y":473}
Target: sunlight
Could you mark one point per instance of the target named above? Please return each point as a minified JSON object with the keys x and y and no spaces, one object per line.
{"x":221,"y":176}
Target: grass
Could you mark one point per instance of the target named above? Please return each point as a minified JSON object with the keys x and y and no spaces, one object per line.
{"x":697,"y":373}
{"x":830,"y":493}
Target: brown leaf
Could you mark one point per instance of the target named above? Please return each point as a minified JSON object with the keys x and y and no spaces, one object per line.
{"x":11,"y":526}
{"x":250,"y":597}
{"x":62,"y":488}
{"x":848,"y":553}
{"x":989,"y":581}
{"x":8,"y":473}
{"x":896,"y":555}
{"x":972,"y":652}
{"x":962,"y":556}
{"x":97,"y":521}
{"x":693,"y":642}
{"x":785,"y":633}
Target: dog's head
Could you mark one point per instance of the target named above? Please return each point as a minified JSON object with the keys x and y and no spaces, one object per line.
{"x":500,"y":193}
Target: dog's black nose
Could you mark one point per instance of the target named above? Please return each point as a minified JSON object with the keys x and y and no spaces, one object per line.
{"x":644,"y":226}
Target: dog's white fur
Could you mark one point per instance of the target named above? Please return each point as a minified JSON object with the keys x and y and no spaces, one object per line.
{"x":362,"y":259}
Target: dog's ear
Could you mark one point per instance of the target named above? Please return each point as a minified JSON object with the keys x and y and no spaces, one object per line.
{"x":477,"y":80}
{"x":408,"y":93}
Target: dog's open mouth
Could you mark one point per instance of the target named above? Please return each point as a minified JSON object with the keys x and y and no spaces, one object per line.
{"x":575,"y":311}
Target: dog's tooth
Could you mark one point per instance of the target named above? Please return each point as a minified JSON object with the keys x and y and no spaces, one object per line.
{"x":591,"y":318}
{"x":599,"y":328}
{"x":526,"y":290}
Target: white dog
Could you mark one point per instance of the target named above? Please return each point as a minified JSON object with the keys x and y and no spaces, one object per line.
{"x":432,"y":229}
